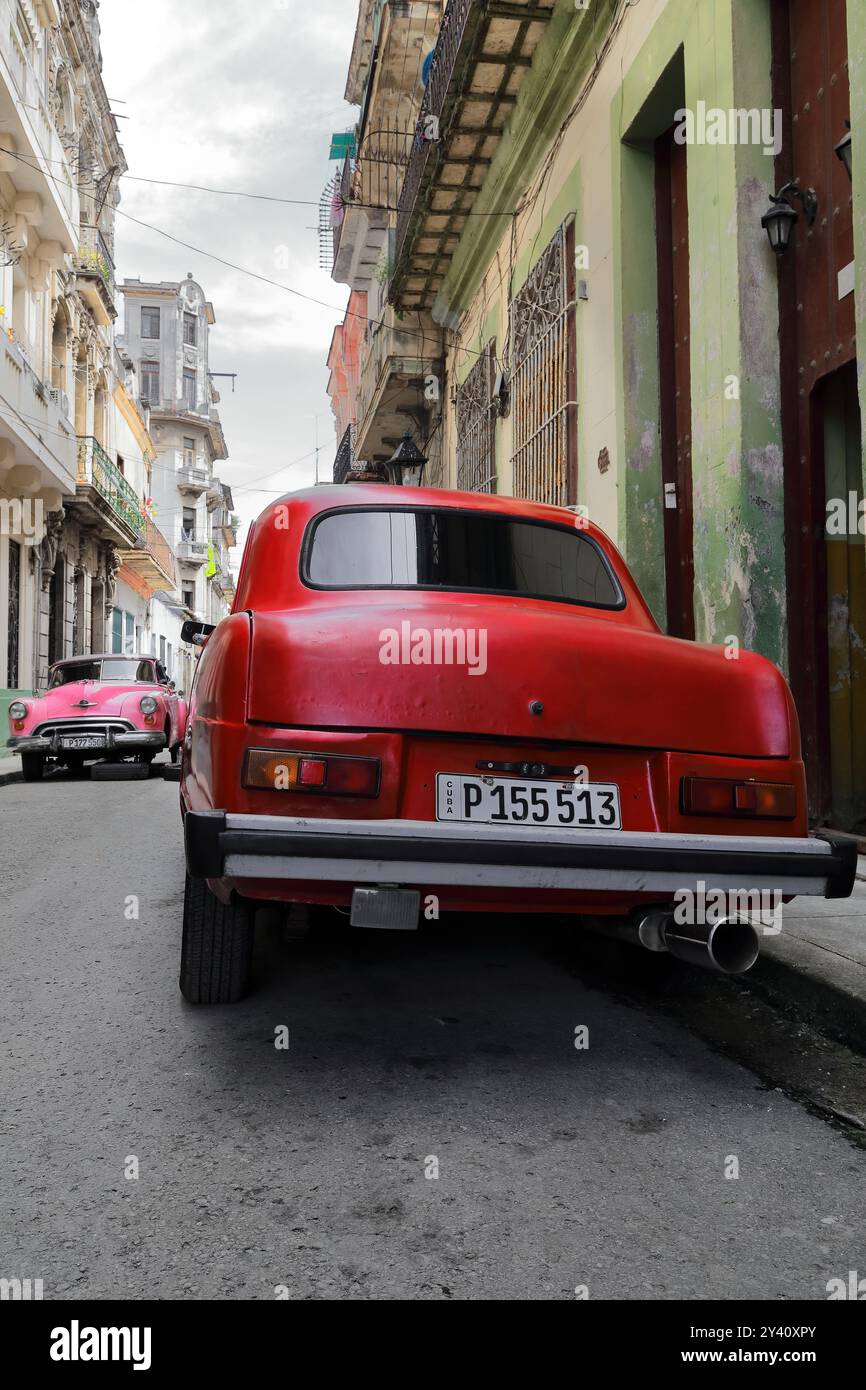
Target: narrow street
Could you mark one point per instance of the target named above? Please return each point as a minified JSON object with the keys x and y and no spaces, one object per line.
{"x":559,"y":1167}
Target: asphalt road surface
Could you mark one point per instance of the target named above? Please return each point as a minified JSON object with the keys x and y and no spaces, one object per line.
{"x":307,"y":1172}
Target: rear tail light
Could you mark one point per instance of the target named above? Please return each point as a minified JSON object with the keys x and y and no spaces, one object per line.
{"x":709,"y":796}
{"x":285,"y":770}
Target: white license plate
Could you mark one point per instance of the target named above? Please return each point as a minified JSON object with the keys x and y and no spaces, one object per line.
{"x":508,"y":801}
{"x":82,"y":742}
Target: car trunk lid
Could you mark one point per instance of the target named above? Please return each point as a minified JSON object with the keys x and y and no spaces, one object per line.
{"x":509,"y":668}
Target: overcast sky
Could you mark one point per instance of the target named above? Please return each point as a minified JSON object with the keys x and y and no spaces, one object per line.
{"x":239,"y":96}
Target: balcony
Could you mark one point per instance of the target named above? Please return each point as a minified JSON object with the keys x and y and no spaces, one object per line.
{"x":192,"y":479}
{"x":483,"y":48}
{"x":227,"y":531}
{"x":34,"y":418}
{"x":391,"y":38}
{"x":190,"y":550}
{"x":394,"y":380}
{"x":215,"y":496}
{"x":42,"y":167}
{"x":152,"y":560}
{"x":103,"y":491}
{"x":369,"y":190}
{"x":345,"y":456}
{"x":95,"y":271}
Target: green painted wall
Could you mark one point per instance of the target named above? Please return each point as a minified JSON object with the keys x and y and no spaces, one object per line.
{"x":560,"y":63}
{"x":6,"y":698}
{"x":736,"y":455}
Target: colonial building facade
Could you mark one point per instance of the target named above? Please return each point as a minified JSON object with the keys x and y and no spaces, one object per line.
{"x":385,"y":369}
{"x":84,"y":564}
{"x":590,"y":230}
{"x":166,"y":334}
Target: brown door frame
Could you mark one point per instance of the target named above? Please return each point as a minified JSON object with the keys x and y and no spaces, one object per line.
{"x":675,"y":384}
{"x":803,"y":477}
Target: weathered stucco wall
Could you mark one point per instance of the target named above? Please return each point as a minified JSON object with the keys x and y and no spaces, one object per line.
{"x":734,"y":358}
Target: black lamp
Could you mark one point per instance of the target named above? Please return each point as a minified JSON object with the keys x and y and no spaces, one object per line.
{"x":780,"y":217}
{"x":843,"y":149}
{"x":406,"y":464}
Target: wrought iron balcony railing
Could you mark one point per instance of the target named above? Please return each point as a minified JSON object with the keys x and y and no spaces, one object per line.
{"x":442,"y":72}
{"x":97,"y":469}
{"x":94,"y":258}
{"x":343,"y":460}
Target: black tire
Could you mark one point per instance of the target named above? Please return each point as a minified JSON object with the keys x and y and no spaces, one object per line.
{"x":32,"y":767}
{"x":217,"y":949}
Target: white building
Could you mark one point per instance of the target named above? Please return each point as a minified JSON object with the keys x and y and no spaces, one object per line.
{"x":166,"y":331}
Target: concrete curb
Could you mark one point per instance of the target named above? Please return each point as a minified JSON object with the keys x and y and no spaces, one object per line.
{"x":822,"y":986}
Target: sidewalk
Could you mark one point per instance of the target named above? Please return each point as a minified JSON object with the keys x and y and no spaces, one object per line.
{"x":10,"y":769}
{"x":818,"y":961}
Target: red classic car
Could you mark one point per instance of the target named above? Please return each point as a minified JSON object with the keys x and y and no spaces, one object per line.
{"x":101,"y":706}
{"x":427,"y":701}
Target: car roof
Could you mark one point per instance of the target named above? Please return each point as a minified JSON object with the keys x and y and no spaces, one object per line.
{"x":104,"y":656}
{"x":324,"y":498}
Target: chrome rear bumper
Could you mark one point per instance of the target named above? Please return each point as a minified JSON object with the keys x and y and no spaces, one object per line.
{"x":220,"y":844}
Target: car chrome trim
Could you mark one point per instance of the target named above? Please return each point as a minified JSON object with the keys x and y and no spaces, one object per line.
{"x":222,"y":844}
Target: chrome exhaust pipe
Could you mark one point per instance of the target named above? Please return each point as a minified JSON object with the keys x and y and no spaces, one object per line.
{"x":731,"y":945}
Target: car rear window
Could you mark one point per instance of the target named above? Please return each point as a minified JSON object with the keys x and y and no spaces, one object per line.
{"x":476,"y":552}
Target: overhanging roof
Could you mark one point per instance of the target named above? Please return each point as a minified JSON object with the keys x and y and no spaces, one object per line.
{"x":481,"y":55}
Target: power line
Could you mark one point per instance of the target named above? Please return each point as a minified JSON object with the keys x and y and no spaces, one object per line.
{"x":232,"y":265}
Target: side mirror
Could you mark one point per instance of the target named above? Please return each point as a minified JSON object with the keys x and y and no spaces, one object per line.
{"x":195,"y":632}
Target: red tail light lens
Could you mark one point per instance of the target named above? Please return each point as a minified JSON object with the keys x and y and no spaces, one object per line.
{"x":710,"y":796}
{"x":287,"y":770}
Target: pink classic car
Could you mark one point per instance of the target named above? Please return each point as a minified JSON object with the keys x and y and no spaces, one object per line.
{"x":103,"y":706}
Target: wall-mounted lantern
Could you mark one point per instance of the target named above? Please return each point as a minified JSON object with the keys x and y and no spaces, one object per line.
{"x":843,"y":149}
{"x":780,"y":217}
{"x":406,"y":464}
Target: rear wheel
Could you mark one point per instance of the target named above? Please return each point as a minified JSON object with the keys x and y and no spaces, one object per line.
{"x":217,"y":946}
{"x":32,"y":767}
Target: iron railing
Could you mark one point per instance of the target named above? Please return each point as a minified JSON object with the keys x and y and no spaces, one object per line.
{"x":476,"y":426}
{"x":541,"y":323}
{"x":427,"y":130}
{"x":373,"y":179}
{"x":343,"y":460}
{"x":97,"y":469}
{"x":94,"y":258}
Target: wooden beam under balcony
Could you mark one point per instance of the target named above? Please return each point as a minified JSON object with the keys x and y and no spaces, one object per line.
{"x":476,"y":35}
